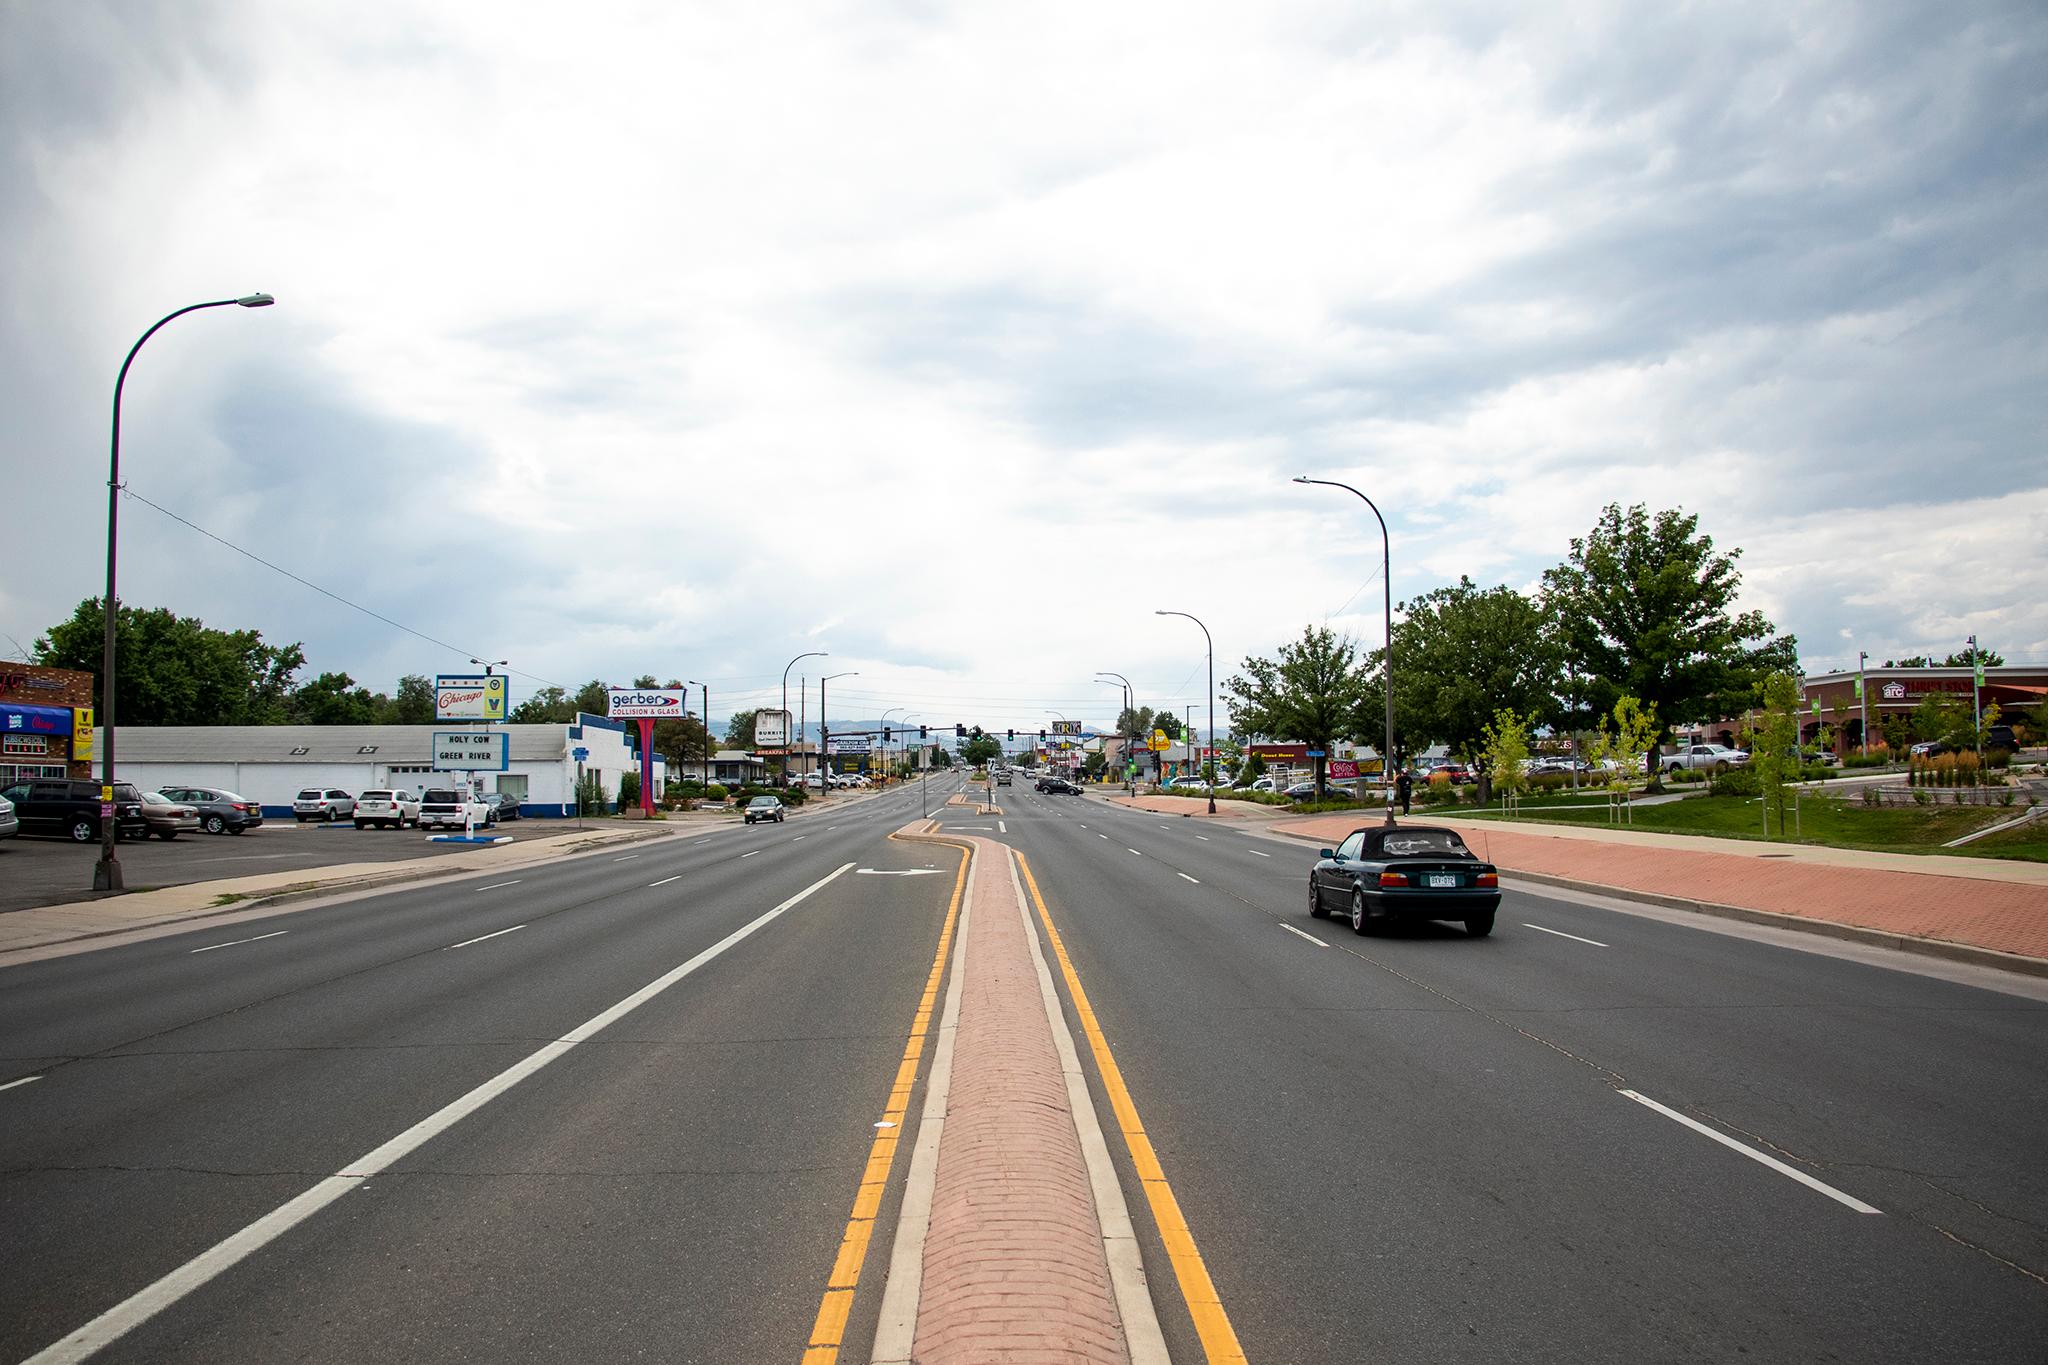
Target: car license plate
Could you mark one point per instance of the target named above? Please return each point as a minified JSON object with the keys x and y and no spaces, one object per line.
{"x":1441,"y":879}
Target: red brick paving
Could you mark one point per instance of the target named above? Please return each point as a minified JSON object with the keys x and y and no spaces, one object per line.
{"x":1013,"y":1261}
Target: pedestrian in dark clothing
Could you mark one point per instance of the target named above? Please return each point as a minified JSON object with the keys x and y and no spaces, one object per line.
{"x":1404,"y":787}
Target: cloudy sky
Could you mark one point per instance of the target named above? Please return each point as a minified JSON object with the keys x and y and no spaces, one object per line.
{"x":958,"y":339}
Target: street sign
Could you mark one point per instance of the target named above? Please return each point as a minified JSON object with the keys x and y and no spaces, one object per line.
{"x":462,"y":696}
{"x":579,"y":753}
{"x":1317,"y":753}
{"x":771,"y":729}
{"x":645,"y":703}
{"x":471,"y":751}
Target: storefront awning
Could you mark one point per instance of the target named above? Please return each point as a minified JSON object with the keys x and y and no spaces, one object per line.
{"x":19,"y":719}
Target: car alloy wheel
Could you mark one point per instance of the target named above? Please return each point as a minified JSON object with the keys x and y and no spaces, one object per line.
{"x":1316,"y":908}
{"x":213,"y":824}
{"x":83,"y":832}
{"x":1359,"y":919}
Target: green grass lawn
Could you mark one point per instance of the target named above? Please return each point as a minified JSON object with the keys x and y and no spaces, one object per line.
{"x":1839,"y":824}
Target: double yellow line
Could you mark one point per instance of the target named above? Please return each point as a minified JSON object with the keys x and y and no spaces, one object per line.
{"x":829,"y":1330}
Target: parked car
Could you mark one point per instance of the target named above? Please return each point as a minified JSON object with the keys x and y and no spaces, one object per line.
{"x":1260,"y":784}
{"x":508,"y":805}
{"x":1703,"y":758}
{"x":394,"y":808}
{"x":220,"y":811}
{"x":763,"y":808}
{"x":325,"y":804}
{"x":1058,"y":786}
{"x":71,"y":807}
{"x":1382,"y":874}
{"x":445,"y":807}
{"x":9,"y":825}
{"x":1927,"y":748}
{"x":1457,"y":774}
{"x":1188,"y":783}
{"x":1301,"y":791}
{"x":1999,"y":737}
{"x":167,"y":819}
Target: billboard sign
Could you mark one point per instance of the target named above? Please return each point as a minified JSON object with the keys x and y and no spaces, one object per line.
{"x":646,"y":703}
{"x":771,"y":729}
{"x":469,"y":697}
{"x":857,"y":744}
{"x":1066,"y":727}
{"x":471,"y":751}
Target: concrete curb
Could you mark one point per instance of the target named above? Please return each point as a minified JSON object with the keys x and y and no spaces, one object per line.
{"x":1948,"y":949}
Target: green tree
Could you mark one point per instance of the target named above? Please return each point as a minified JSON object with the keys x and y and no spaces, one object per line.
{"x":1645,"y":608}
{"x":739,"y":729}
{"x":175,"y":670}
{"x":332,"y":699}
{"x":593,"y":698}
{"x":1774,"y":744}
{"x":1504,"y":744}
{"x":549,"y":706}
{"x":1622,"y":750}
{"x":413,"y":704}
{"x":979,"y":748}
{"x":1094,"y":764}
{"x":1170,"y":723}
{"x":1463,"y":655}
{"x":1312,"y":692}
{"x":1942,"y":716}
{"x":683,"y":742}
{"x":1960,"y":659}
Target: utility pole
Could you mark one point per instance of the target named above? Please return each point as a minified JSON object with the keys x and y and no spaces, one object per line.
{"x":1863,"y":700}
{"x":1976,"y":699}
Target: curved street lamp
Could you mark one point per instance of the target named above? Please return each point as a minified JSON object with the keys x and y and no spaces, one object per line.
{"x":1212,"y":696}
{"x":789,"y":740}
{"x":1387,"y":582}
{"x":106,"y":873}
{"x":825,"y":732}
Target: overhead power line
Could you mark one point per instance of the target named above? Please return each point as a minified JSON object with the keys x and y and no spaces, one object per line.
{"x":126,"y":491}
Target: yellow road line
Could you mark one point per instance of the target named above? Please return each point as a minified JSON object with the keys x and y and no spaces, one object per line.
{"x":1212,"y":1324}
{"x":829,"y":1331}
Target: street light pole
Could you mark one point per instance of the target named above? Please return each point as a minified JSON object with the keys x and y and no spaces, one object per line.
{"x":106,"y":873}
{"x":1387,"y":581}
{"x":1212,"y":697}
{"x":692,"y":682}
{"x":1863,"y":699}
{"x":789,"y":740}
{"x":1976,"y":701}
{"x":1131,"y":705}
{"x":825,"y":735}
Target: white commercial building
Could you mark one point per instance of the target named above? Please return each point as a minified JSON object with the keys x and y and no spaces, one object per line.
{"x":270,"y":764}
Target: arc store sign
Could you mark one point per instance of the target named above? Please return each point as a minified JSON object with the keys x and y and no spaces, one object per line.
{"x":644,"y":703}
{"x":467,"y":697}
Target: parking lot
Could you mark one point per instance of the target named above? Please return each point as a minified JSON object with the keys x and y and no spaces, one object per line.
{"x":45,"y":871}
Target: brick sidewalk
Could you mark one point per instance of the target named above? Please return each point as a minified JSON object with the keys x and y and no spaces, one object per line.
{"x":1013,"y":1261}
{"x":1999,"y":908}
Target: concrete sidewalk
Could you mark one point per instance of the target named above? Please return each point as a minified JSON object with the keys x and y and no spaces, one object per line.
{"x":1979,"y":910}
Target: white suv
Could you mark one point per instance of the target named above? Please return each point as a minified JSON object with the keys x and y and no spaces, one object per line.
{"x":394,"y":808}
{"x":323,"y":804}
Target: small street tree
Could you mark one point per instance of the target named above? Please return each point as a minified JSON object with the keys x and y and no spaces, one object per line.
{"x":1312,"y":692}
{"x":1621,"y":750}
{"x":1504,"y":743}
{"x":1774,"y":744}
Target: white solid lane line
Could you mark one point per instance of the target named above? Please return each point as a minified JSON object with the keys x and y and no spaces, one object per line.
{"x":23,"y":1081}
{"x":1256,"y":854}
{"x":1754,"y":1155}
{"x":665,"y":881}
{"x":138,"y":1308}
{"x":1186,"y":878}
{"x":481,"y":937}
{"x":1562,"y":934}
{"x":495,"y":885}
{"x":624,"y":857}
{"x":233,"y":942}
{"x":749,"y":855}
{"x":1299,"y":934}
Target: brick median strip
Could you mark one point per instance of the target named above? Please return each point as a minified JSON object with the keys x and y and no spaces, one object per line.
{"x":1013,"y":1265}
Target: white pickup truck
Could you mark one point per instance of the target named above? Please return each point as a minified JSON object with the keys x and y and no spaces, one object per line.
{"x":455,"y":808}
{"x":1704,"y":758}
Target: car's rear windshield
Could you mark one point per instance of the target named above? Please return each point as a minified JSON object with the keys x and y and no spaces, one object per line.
{"x":441,"y":798}
{"x":376,"y":796}
{"x":1409,"y":843}
{"x":310,"y":794}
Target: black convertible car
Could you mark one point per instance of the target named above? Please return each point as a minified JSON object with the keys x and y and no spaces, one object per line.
{"x":1381,"y":874}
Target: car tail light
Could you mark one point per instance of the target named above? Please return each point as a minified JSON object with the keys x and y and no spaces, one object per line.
{"x":1487,"y":879}
{"x":248,"y":807}
{"x":1393,"y":879}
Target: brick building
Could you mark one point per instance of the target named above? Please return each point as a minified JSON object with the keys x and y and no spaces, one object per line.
{"x":45,"y":723}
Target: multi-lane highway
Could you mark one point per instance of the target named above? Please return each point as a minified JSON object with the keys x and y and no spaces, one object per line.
{"x":617,"y":1106}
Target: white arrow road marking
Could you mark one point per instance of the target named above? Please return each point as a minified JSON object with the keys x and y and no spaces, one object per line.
{"x":899,"y":872}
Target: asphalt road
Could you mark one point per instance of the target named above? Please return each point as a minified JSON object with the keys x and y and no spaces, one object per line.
{"x":1404,"y":1148}
{"x":1416,"y":1147}
{"x":674,"y":1189}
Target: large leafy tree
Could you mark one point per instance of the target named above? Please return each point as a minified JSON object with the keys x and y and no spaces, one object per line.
{"x":1310,"y":692}
{"x":333,"y":699}
{"x":1645,"y":607}
{"x":739,"y":729}
{"x":414,"y":703}
{"x":1462,"y":655}
{"x":549,"y":706}
{"x":980,"y":748}
{"x":175,"y":670}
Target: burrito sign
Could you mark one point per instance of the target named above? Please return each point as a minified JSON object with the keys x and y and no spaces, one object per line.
{"x":637,"y":703}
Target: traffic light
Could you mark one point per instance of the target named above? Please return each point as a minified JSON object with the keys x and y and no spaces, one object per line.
{"x":1012,"y":735}
{"x":1041,"y":736}
{"x":960,"y":732}
{"x":924,"y":732}
{"x":885,"y":734}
